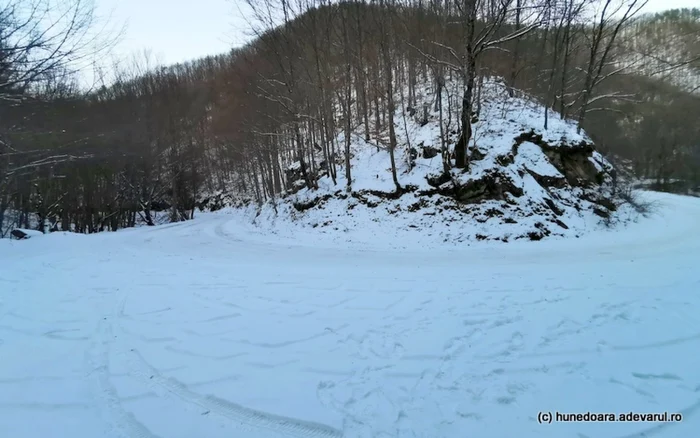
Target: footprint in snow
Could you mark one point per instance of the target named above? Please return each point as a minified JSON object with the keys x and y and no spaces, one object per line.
{"x":504,"y":321}
{"x":517,"y":340}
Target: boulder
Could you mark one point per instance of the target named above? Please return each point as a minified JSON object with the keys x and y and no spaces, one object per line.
{"x":430,"y":152}
{"x":22,"y":234}
{"x":19,"y":235}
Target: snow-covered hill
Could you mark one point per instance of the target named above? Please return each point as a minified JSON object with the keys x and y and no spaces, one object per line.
{"x":523,"y":182}
{"x":664,"y":46}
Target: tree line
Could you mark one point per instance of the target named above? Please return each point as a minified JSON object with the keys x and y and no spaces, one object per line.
{"x":264,"y":119}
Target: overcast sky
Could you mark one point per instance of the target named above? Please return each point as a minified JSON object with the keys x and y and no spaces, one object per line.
{"x":180,"y":30}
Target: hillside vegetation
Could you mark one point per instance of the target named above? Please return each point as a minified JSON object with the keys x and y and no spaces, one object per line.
{"x":523,"y":182}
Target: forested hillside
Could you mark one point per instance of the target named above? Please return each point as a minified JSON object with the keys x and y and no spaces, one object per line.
{"x":666,"y":46}
{"x":165,"y":139}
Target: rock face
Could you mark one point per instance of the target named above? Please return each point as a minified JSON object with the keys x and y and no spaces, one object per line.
{"x":220,"y":200}
{"x":430,"y":152}
{"x":492,"y":185}
{"x":575,"y":162}
{"x":566,"y":166}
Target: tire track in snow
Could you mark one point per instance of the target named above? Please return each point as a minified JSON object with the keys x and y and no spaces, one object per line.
{"x":97,"y":360}
{"x":220,"y":232}
{"x":638,"y":347}
{"x":182,"y":225}
{"x":242,"y":416}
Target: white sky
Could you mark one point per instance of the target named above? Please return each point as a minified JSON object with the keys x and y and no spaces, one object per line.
{"x":180,"y":30}
{"x":175,"y":30}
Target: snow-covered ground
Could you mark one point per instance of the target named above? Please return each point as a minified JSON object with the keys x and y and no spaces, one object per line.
{"x":204,"y":329}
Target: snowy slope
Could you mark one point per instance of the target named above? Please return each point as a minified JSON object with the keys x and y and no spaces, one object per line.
{"x":204,"y":329}
{"x":523,"y":182}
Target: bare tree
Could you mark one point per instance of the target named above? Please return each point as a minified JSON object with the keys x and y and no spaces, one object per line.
{"x":385,"y":28}
{"x":482,"y":23}
{"x":609,"y":20}
{"x":42,"y":42}
{"x":39,"y":38}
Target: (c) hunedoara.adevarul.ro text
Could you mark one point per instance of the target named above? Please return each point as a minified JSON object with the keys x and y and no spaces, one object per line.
{"x":564,"y":417}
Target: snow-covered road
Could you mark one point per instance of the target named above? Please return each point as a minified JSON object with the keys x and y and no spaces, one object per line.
{"x":204,"y":330}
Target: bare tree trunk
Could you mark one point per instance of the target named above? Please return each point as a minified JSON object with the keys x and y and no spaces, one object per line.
{"x":300,"y":156}
{"x":461,"y":149}
{"x":3,"y":208}
{"x":377,"y":121}
{"x":516,"y":51}
{"x":347,"y":107}
{"x":468,"y":77}
{"x":388,"y":71}
{"x":565,"y":64}
{"x":360,"y":69}
{"x":446,"y":164}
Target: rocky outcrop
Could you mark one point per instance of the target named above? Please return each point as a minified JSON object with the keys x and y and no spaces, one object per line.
{"x":521,"y":183}
{"x":574,"y":161}
{"x":493,"y":185}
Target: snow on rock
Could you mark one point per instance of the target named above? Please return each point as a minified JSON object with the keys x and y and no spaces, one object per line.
{"x":522,"y":181}
{"x":23,"y":233}
{"x":531,"y":158}
{"x":220,"y":199}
